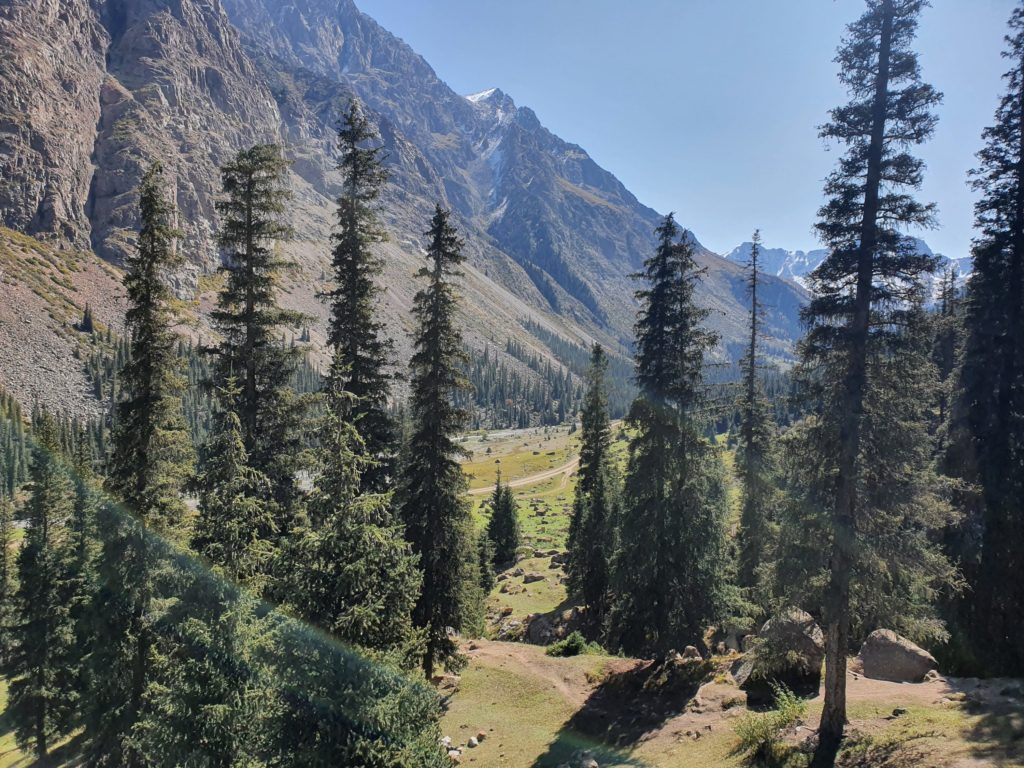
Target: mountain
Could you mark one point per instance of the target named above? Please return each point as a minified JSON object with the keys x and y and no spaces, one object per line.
{"x":93,"y":91}
{"x":795,"y":266}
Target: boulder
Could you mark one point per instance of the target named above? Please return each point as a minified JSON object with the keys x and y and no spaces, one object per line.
{"x":540,"y":631}
{"x":532,"y":577}
{"x":790,"y":651}
{"x":690,"y":652}
{"x":888,"y":656}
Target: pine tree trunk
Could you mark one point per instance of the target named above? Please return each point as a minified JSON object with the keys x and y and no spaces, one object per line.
{"x":837,"y":607}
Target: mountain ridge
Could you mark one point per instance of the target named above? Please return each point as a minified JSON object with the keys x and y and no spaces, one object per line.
{"x":97,"y":89}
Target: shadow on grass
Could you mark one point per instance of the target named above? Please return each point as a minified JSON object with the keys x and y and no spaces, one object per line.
{"x":998,"y":735}
{"x":65,"y":753}
{"x":625,"y":708}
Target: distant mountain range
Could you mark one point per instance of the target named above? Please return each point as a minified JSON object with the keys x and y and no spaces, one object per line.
{"x":93,"y":91}
{"x":795,"y":266}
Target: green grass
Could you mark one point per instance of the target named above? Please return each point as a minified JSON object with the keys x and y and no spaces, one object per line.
{"x":63,"y":753}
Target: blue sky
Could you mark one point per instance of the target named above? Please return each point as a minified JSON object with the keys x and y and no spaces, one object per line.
{"x":710,"y":107}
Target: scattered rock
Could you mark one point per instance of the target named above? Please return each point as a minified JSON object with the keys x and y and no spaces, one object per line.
{"x":532,"y":577}
{"x":581,"y":759}
{"x":790,"y":650}
{"x":481,"y":735}
{"x":888,"y":656}
{"x":473,"y":743}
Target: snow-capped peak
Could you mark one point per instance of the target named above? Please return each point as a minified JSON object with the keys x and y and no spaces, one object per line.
{"x":481,"y":96}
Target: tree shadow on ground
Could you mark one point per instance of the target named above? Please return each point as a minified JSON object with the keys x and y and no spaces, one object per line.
{"x":626,"y":707}
{"x":997,"y":737}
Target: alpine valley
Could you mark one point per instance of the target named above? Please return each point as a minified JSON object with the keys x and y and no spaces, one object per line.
{"x":92,"y":91}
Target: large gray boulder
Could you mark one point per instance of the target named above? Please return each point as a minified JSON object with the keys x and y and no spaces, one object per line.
{"x":789,"y":650}
{"x":888,"y":656}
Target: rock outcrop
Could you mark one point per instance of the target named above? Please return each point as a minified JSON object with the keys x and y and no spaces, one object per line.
{"x":790,"y":650}
{"x":886,"y":655}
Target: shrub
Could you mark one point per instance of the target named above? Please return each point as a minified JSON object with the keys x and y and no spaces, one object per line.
{"x":573,"y":645}
{"x":761,"y":732}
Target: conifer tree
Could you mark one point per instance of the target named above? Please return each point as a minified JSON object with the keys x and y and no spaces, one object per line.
{"x":591,"y":546}
{"x":234,"y":525}
{"x":991,"y":411}
{"x":152,"y":457}
{"x":7,"y":581}
{"x":249,"y":317}
{"x":356,"y":334}
{"x":436,"y":514}
{"x":754,"y":451}
{"x":200,"y":708}
{"x":485,"y":559}
{"x":503,"y":527}
{"x":82,"y":540}
{"x":668,"y":570}
{"x":862,"y":289}
{"x":42,"y":667}
{"x":351,"y":572}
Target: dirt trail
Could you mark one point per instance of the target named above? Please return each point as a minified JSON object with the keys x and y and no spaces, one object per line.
{"x":565,"y":470}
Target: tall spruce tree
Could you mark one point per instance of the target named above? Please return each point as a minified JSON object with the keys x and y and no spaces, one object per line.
{"x":754,"y":451}
{"x":862,"y":289}
{"x":435,"y":511}
{"x":152,"y":457}
{"x":351,"y":572}
{"x":503,"y":526}
{"x":590,"y":548}
{"x":234,"y":525}
{"x":42,"y":667}
{"x":992,"y":387}
{"x":667,"y":579}
{"x":357,"y":334}
{"x":249,"y":317}
{"x":7,"y":581}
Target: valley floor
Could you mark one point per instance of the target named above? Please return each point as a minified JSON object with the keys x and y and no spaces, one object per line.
{"x":537,"y":711}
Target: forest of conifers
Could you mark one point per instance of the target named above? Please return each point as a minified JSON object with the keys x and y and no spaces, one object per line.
{"x":250,"y":561}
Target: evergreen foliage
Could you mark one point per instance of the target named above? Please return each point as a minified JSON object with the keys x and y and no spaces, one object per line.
{"x":351,"y":571}
{"x":14,"y":452}
{"x":42,"y":665}
{"x":864,"y":294}
{"x":434,"y":509}
{"x":234,"y":527}
{"x":249,"y":318}
{"x":990,"y":415}
{"x":151,"y":459}
{"x":668,"y":570}
{"x":591,"y":533}
{"x":754,"y":451}
{"x":503,"y":526}
{"x":356,"y":333}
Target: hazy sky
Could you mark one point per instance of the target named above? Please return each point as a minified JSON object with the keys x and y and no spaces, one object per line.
{"x":710,"y":108}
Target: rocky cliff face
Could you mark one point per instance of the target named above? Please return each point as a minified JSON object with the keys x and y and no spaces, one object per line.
{"x":96,"y":90}
{"x":93,"y":91}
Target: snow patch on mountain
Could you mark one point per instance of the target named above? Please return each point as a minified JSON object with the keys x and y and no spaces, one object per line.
{"x":795,"y":266}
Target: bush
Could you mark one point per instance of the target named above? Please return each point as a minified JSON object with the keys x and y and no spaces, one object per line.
{"x":573,"y":645}
{"x":761,"y":732}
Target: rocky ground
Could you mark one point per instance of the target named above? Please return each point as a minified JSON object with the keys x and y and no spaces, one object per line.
{"x":535,"y":710}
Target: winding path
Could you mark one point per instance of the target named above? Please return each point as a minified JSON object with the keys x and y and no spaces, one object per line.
{"x":565,"y":470}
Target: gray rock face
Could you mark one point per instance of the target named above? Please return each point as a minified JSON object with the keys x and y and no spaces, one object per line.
{"x":790,"y":650}
{"x":96,"y":91}
{"x":886,"y":655}
{"x":93,"y":91}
